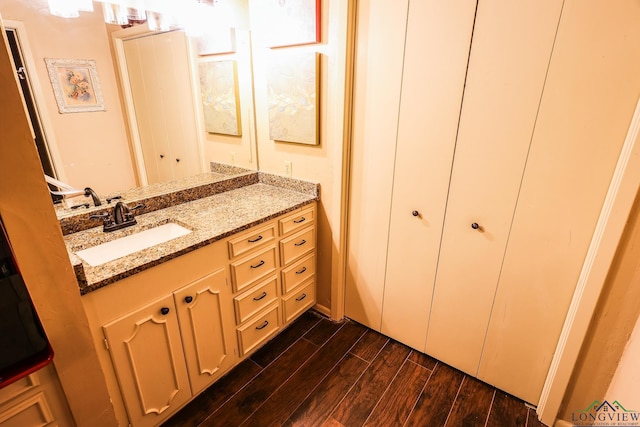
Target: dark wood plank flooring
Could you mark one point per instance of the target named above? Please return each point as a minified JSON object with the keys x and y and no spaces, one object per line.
{"x":322,"y":373}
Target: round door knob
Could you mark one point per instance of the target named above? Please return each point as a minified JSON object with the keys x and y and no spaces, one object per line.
{"x":415,"y":213}
{"x":188,"y":299}
{"x":164,"y":311}
{"x":475,"y":226}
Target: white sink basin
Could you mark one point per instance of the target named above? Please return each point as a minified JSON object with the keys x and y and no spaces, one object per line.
{"x":127,"y":245}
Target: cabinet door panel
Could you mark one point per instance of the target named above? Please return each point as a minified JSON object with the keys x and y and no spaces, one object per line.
{"x":147,"y":356}
{"x":207,"y":329}
{"x":435,"y":64}
{"x":511,"y":49}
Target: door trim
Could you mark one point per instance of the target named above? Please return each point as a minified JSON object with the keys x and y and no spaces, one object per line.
{"x":602,"y":249}
{"x":43,"y":112}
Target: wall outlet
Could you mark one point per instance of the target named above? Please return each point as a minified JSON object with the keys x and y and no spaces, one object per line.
{"x":233,"y":157}
{"x":288,"y":166}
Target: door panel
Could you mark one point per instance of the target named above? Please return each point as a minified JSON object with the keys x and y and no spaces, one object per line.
{"x":435,"y":64}
{"x":511,"y":49}
{"x":147,"y":356}
{"x":579,"y":135}
{"x":380,"y":48}
{"x":207,"y":329}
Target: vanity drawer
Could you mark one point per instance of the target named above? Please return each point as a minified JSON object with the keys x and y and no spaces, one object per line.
{"x":297,"y":273}
{"x":299,"y":300}
{"x":255,"y":333}
{"x":249,"y":269}
{"x":299,"y":244}
{"x":255,"y":299}
{"x":297,"y":221}
{"x":253,"y":239}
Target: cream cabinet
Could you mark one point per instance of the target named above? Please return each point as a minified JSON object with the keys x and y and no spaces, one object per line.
{"x":35,"y":400}
{"x":455,"y":137}
{"x":172,"y":348}
{"x":170,"y":331}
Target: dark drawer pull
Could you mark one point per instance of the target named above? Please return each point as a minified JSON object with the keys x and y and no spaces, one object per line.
{"x":258,"y":265}
{"x":301,"y":270}
{"x":257,"y":239}
{"x":264,"y":294}
{"x":303,"y":296}
{"x":264,"y":325}
{"x":301,"y":243}
{"x":164,"y":311}
{"x":188,"y":299}
{"x":298,"y":221}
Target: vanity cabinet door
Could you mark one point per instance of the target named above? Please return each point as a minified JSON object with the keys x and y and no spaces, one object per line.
{"x":207,"y":328}
{"x":147,"y":356}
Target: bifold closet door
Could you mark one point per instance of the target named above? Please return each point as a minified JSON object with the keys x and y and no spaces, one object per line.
{"x":435,"y":63}
{"x":381,"y":28}
{"x":511,"y":49}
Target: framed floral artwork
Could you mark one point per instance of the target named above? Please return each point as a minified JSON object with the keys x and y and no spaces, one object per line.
{"x":293,"y":85}
{"x":219,"y":92}
{"x":76,"y":85}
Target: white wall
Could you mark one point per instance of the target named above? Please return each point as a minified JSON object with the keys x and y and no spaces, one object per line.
{"x":318,"y":163}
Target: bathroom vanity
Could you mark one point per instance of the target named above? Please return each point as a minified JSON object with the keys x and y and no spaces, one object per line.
{"x":170,"y":319}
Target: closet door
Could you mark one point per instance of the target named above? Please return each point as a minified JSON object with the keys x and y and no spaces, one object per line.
{"x":378,"y":76}
{"x":161,"y":88}
{"x":591,"y":91}
{"x":436,"y":53}
{"x":512,"y":44}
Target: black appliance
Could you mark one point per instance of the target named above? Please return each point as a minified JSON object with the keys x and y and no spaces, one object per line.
{"x":24,"y":347}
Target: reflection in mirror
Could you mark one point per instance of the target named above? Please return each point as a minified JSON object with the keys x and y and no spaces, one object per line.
{"x":103,"y":150}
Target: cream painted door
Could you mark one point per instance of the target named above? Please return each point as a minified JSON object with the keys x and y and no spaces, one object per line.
{"x":435,"y":62}
{"x":162,"y":91}
{"x":590,"y":94}
{"x":147,"y":356}
{"x":208,"y":329}
{"x":378,"y":77}
{"x":512,"y":45}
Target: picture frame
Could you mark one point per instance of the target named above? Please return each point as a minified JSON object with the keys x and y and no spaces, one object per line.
{"x":76,"y":85}
{"x":216,"y":41}
{"x":219,"y":93}
{"x":293,"y":87}
{"x":291,"y":22}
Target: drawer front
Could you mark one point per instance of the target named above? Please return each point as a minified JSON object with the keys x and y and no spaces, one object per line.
{"x":246,"y":271}
{"x":256,"y":332}
{"x":253,"y":239}
{"x":297,"y":273}
{"x":297,"y":245}
{"x":255,"y":299}
{"x":297,"y":221}
{"x":300,"y":300}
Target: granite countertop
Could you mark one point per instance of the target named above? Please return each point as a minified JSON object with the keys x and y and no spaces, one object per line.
{"x":209,"y":218}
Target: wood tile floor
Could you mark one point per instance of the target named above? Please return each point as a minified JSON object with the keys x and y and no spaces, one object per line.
{"x":321,"y":373}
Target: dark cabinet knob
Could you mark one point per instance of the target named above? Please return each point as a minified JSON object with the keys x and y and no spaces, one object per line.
{"x":415,"y":213}
{"x":164,"y":311}
{"x":475,"y":226}
{"x":178,"y":160}
{"x":188,"y":299}
{"x":162,"y":156}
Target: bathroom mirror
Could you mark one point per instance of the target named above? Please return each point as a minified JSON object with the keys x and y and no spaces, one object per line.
{"x":102,"y":149}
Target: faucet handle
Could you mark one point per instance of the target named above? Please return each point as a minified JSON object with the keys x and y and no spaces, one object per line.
{"x":104,"y":216}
